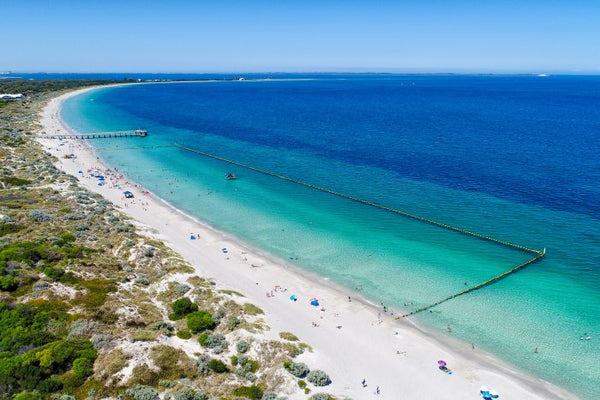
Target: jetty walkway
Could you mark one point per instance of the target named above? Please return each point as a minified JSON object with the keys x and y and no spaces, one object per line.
{"x":98,"y":135}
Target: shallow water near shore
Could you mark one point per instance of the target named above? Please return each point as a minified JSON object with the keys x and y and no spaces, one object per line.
{"x":511,"y":157}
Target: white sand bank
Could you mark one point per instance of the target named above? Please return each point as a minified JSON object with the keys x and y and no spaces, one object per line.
{"x":398,"y":357}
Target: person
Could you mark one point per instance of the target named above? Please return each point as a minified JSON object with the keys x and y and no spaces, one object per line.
{"x":364,"y":382}
{"x":536,"y":350}
{"x":377,"y":390}
{"x":349,"y":299}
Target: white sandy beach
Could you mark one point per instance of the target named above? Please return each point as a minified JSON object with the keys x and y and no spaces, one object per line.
{"x":349,"y":343}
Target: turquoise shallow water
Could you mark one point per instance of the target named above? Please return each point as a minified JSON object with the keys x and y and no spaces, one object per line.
{"x":549,"y":304}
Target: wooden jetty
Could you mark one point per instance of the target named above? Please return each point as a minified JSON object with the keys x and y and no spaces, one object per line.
{"x":98,"y":135}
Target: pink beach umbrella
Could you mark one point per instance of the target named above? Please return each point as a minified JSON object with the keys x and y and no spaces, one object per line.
{"x":442,"y":363}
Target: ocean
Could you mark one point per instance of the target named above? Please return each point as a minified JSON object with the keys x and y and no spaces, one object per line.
{"x":513,"y":157}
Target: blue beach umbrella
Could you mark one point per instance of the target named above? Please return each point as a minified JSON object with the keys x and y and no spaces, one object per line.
{"x":293,"y":297}
{"x":314,"y":303}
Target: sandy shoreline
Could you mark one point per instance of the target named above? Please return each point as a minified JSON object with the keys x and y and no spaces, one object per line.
{"x":400,"y":358}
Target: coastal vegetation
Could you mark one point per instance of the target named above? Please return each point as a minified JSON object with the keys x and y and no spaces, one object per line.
{"x":92,"y":306}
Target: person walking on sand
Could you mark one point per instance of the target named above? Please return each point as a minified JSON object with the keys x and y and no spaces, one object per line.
{"x":377,"y":391}
{"x":364,"y":382}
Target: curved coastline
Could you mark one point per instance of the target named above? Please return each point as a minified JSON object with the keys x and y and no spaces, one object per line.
{"x":477,"y":368}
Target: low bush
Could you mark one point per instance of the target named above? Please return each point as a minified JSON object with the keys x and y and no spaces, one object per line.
{"x":54,"y":273}
{"x":184,"y":334}
{"x":142,"y":392}
{"x":39,"y":215}
{"x":215,"y":340}
{"x":288,"y":336}
{"x":6,"y":228}
{"x":202,"y":363}
{"x":199,"y":321}
{"x":190,"y":394}
{"x":99,"y":340}
{"x":251,"y":392}
{"x":82,"y":328}
{"x":232,"y":323}
{"x":14,"y":181}
{"x":217,"y":366}
{"x":318,"y":378}
{"x":182,"y":307}
{"x":182,"y":288}
{"x":299,"y":370}
{"x":251,"y":309}
{"x":242,"y":346}
{"x":321,"y":396}
{"x":28,"y":396}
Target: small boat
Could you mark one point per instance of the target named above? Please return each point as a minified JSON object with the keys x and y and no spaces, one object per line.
{"x":230,"y":176}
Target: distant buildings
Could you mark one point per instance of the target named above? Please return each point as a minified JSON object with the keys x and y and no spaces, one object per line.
{"x":8,"y":96}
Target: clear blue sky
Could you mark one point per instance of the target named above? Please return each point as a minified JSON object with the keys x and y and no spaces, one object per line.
{"x":286,"y":35}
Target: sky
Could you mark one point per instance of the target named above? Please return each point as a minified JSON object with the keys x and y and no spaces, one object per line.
{"x":300,"y":36}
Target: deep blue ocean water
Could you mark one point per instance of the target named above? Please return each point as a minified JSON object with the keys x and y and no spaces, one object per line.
{"x":514,"y":157}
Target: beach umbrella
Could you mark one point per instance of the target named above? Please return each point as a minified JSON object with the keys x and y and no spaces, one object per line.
{"x":293,"y":297}
{"x":442,"y":363}
{"x":494,"y":394}
{"x":314,"y":303}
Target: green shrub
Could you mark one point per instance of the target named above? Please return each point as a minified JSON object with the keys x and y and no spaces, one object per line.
{"x":184,"y":334}
{"x":318,"y":378}
{"x":251,"y":392}
{"x":54,"y":273}
{"x":320,"y":396}
{"x":247,"y":364}
{"x":288,"y":336}
{"x":199,"y":321}
{"x":215,"y":340}
{"x":299,"y":370}
{"x":167,"y":383}
{"x":190,"y":394}
{"x":39,"y":215}
{"x":50,"y":385}
{"x":232,"y":323}
{"x":251,"y":309}
{"x":142,"y":392}
{"x":6,"y":228}
{"x":83,"y":367}
{"x":203,"y":338}
{"x":182,"y":307}
{"x":14,"y":181}
{"x":217,"y":366}
{"x":202,"y":363}
{"x":301,"y":384}
{"x":28,"y":396}
{"x":9,"y":283}
{"x":242,"y":346}
{"x":143,"y":336}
